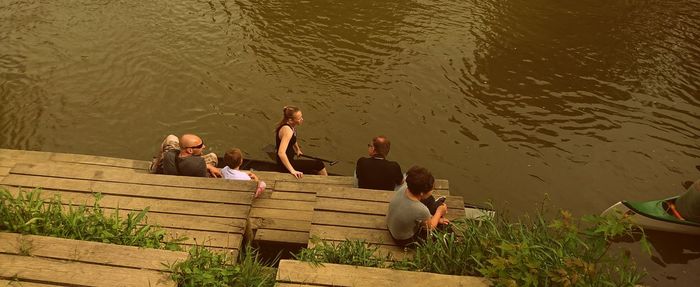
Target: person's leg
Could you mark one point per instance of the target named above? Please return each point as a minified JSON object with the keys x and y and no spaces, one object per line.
{"x":211,"y":159}
{"x":323,"y":172}
{"x":169,"y":143}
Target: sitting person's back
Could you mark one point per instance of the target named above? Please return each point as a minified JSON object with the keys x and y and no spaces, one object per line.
{"x":408,"y":219}
{"x":688,"y":204}
{"x":233,"y":159}
{"x":376,"y":172}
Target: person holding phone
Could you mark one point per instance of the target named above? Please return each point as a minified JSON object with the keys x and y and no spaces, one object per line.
{"x":287,"y":146}
{"x":408,"y":219}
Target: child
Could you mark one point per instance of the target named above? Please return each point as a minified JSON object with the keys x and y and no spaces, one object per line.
{"x":233,"y":160}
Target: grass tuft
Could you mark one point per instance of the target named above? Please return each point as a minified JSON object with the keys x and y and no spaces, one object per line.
{"x":204,"y":267}
{"x":28,"y":213}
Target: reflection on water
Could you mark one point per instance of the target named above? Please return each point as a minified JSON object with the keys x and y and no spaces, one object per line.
{"x":594,"y":101}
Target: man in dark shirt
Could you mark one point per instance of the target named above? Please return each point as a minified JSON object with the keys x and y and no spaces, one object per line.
{"x":184,"y":156}
{"x":376,"y":172}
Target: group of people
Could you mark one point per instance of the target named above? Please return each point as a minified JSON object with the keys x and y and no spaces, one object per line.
{"x":413,"y":211}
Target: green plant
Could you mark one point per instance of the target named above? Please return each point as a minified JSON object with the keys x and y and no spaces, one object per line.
{"x":531,"y":251}
{"x":204,"y":267}
{"x":351,"y":252}
{"x":28,"y":213}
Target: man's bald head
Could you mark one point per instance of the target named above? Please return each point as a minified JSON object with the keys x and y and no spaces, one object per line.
{"x":193,"y":142}
{"x":381,"y":145}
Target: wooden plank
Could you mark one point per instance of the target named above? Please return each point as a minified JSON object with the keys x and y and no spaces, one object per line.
{"x":280,"y":224}
{"x":207,"y":238}
{"x":65,"y":170}
{"x":17,"y":283}
{"x":25,"y":155}
{"x":88,"y":252}
{"x":4,"y":171}
{"x":349,"y":220}
{"x":337,"y":233}
{"x":101,"y":160}
{"x":273,"y":194}
{"x":293,"y":237}
{"x":157,"y":205}
{"x":346,"y":275}
{"x":283,"y":204}
{"x":278,"y":284}
{"x":137,"y":190}
{"x":78,"y":273}
{"x":308,"y":178}
{"x":441,"y":184}
{"x":280,"y":214}
{"x":7,"y":162}
{"x":353,"y":206}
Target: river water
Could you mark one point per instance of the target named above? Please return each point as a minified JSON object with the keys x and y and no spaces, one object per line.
{"x":582,"y":102}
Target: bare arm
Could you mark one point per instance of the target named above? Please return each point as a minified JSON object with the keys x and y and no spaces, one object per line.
{"x":285,"y":135}
{"x":297,"y":148}
{"x":437,"y":217}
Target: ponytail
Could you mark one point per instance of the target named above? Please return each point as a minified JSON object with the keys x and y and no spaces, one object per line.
{"x":287,"y":114}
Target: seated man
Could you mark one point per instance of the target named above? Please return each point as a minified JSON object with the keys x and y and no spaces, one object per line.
{"x":376,"y":172}
{"x":184,"y":157}
{"x":408,"y":219}
{"x":688,"y":204}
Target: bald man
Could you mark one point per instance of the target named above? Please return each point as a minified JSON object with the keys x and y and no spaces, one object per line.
{"x":375,"y":171}
{"x":184,"y":156}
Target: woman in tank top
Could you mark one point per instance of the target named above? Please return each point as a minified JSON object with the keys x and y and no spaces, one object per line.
{"x":287,"y":146}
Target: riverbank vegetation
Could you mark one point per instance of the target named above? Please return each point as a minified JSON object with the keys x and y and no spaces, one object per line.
{"x":29,"y":213}
{"x":204,"y":267}
{"x":531,"y":251}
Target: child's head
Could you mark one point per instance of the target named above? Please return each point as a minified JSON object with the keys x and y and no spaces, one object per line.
{"x":233,"y":158}
{"x":419,"y":180}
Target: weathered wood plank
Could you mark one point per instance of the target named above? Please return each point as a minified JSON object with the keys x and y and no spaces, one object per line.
{"x":7,"y":162}
{"x":349,"y":220}
{"x":283,"y":204}
{"x":349,"y":205}
{"x":4,"y":171}
{"x":337,"y":233}
{"x":273,"y":194}
{"x":157,"y":205}
{"x":25,"y":155}
{"x":278,"y":284}
{"x":281,"y":214}
{"x":17,"y":283}
{"x":207,"y":238}
{"x":100,"y":160}
{"x":66,"y":170}
{"x":280,"y":224}
{"x":87,"y":251}
{"x":441,"y":184}
{"x":128,"y":189}
{"x":308,"y":178}
{"x":270,"y":235}
{"x":346,"y":275}
{"x":78,"y":273}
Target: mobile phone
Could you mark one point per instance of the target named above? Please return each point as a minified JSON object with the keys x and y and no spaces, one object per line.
{"x":440,"y":201}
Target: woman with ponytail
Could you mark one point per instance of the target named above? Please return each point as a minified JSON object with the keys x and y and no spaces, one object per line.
{"x":287,"y":146}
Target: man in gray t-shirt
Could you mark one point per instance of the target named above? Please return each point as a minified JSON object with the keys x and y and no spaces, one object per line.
{"x":184,"y":156}
{"x":407,"y":215}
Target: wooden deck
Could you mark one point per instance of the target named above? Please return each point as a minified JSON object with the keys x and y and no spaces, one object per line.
{"x":27,"y":259}
{"x":296,"y":273}
{"x":215,"y":213}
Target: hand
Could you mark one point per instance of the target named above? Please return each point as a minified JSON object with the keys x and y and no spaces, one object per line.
{"x":213,"y":171}
{"x":443,"y":221}
{"x":299,"y":152}
{"x":297,"y":174}
{"x":442,"y":209}
{"x":253,"y":176}
{"x":260,"y":189}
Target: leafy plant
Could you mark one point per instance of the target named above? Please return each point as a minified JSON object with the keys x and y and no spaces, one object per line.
{"x":350,"y":252}
{"x":204,"y":267}
{"x":28,"y":213}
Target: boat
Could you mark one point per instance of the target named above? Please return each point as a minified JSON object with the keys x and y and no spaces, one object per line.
{"x":654,"y":215}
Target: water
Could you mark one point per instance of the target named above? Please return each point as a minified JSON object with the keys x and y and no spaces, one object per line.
{"x":589,"y":102}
